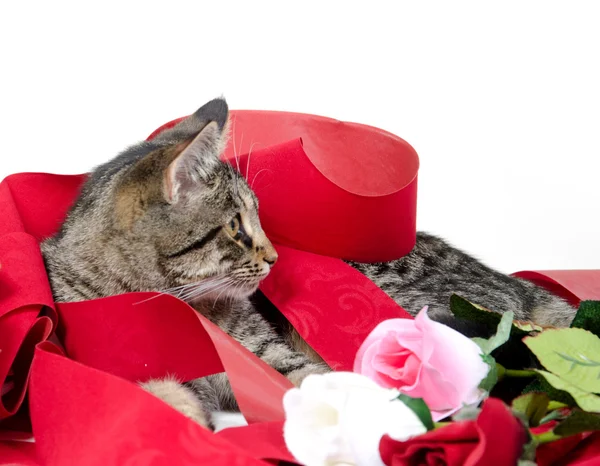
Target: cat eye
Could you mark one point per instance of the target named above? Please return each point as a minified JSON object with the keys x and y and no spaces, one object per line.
{"x":235,"y":228}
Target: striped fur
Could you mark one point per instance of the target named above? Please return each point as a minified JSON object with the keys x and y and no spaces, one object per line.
{"x":434,"y":270}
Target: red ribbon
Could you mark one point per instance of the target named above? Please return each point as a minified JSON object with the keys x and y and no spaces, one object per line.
{"x":327,"y":190}
{"x":84,"y":405}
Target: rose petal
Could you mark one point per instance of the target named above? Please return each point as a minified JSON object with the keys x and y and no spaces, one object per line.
{"x":458,"y":360}
{"x":367,"y":419}
{"x":404,"y":328}
{"x":340,"y":418}
{"x":341,"y":380}
{"x":307,"y":434}
{"x":365,"y":365}
{"x":400,"y":370}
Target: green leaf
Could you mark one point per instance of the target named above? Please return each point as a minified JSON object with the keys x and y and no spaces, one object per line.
{"x":573,"y":354}
{"x":577,"y":422}
{"x":418,"y":406}
{"x":527,"y":326}
{"x":532,"y":406}
{"x":502,"y":334}
{"x":585,"y":400}
{"x":541,"y":385}
{"x":588,"y":317}
{"x":492,"y":376}
{"x":464,"y":309}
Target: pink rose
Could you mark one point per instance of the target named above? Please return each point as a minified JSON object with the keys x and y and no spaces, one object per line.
{"x":424,"y":359}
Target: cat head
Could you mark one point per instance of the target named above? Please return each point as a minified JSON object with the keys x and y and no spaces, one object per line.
{"x":169,"y":214}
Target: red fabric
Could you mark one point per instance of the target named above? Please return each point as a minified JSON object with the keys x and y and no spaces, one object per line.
{"x":85,"y":400}
{"x":326,"y":186}
{"x":84,"y":405}
{"x":572,"y":285}
{"x":94,"y":418}
{"x":333,"y":306}
{"x":324,"y":197}
{"x":496,"y":437}
{"x":263,"y":438}
{"x":24,"y":293}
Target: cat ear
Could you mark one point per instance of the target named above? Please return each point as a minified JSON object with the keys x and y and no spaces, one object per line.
{"x":204,"y":136}
{"x":214,"y":111}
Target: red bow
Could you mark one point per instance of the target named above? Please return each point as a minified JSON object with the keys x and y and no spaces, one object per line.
{"x":84,"y":408}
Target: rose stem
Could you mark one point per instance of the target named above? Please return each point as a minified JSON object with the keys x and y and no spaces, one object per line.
{"x":519,"y":373}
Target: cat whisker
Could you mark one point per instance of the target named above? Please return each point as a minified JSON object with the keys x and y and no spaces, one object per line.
{"x":217,"y":298}
{"x":255,"y":176}
{"x":180,"y":291}
{"x":248,"y":161}
{"x":197,"y":293}
{"x":170,"y":291}
{"x":183,"y":291}
{"x":179,"y":288}
{"x":236,"y":156}
{"x":230,"y":296}
{"x":151,"y":298}
{"x":235,"y":152}
{"x":233,"y":293}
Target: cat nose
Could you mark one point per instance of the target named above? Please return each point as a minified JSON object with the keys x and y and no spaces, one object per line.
{"x":271,"y":259}
{"x":270,"y":255}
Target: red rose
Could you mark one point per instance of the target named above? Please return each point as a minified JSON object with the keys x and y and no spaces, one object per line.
{"x":576,"y":450}
{"x":495,"y":438}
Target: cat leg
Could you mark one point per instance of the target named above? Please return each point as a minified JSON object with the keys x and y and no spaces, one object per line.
{"x":257,"y":335}
{"x":294,"y":365}
{"x":192,"y":403}
{"x":198,"y":398}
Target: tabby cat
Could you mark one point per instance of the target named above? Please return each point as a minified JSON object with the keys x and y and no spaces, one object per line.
{"x":168,"y":215}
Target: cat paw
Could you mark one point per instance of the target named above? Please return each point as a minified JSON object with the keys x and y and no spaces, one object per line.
{"x":297,"y":376}
{"x":179,"y":397}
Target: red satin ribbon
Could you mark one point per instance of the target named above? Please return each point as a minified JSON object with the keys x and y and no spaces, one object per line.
{"x":327,"y":190}
{"x":85,"y":407}
{"x":326,"y":186}
{"x":572,"y":285}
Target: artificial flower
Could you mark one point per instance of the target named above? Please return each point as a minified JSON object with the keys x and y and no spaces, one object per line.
{"x":340,"y":418}
{"x":424,"y":359}
{"x":496,"y":437}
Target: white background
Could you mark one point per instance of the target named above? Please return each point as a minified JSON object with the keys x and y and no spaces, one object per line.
{"x":501,"y":101}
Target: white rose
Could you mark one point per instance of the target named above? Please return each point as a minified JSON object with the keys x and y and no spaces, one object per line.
{"x":340,"y":417}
